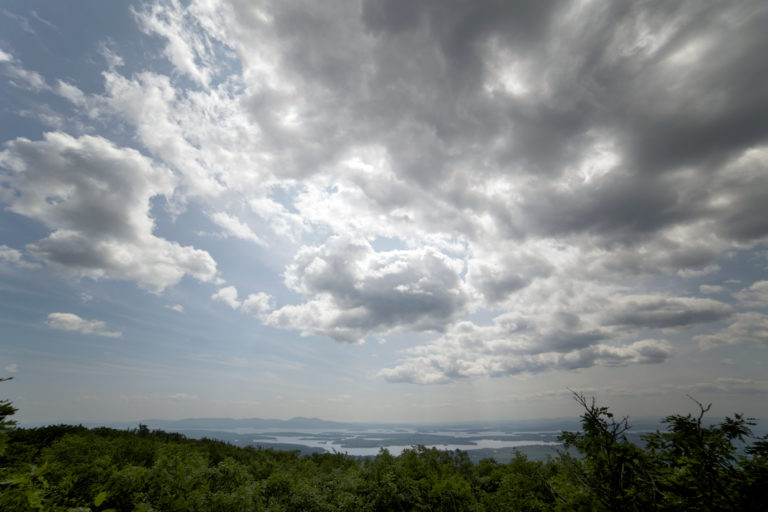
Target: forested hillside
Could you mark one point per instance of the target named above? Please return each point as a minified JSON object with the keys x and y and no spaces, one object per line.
{"x":688,"y":466}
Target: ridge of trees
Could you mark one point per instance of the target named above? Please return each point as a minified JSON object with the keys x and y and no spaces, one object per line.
{"x":688,"y":466}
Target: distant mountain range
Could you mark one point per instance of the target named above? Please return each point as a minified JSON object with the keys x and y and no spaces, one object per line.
{"x":303,"y":423}
{"x":250,"y":423}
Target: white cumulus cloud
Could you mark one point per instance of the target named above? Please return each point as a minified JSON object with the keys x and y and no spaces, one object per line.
{"x":354,"y":290}
{"x":72,"y":322}
{"x":95,"y":199}
{"x":227,"y":295}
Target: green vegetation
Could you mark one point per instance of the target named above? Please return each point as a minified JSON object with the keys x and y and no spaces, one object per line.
{"x":689,"y":466}
{"x":6,"y":411}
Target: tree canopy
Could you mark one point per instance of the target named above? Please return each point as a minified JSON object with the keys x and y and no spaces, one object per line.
{"x":686,"y":466}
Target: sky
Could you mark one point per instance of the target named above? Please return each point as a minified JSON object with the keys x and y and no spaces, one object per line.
{"x":382,"y":210}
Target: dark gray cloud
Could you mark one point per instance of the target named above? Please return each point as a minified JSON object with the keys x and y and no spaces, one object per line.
{"x":660,"y":312}
{"x":623,"y":208}
{"x":457,"y":30}
{"x":496,"y":280}
{"x":706,"y":88}
{"x":670,"y":86}
{"x":566,"y":341}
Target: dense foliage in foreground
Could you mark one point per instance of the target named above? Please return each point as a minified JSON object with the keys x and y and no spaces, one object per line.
{"x":687,"y":467}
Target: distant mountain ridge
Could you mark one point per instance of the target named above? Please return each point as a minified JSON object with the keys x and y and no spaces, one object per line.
{"x":307,"y":423}
{"x":298,"y":422}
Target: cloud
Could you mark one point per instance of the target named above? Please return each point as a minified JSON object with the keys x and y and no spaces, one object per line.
{"x":235,"y":227}
{"x":182,"y":396}
{"x":617,"y":212}
{"x":95,"y":199}
{"x":43,"y":20}
{"x":227,"y":295}
{"x":731,"y":386}
{"x":184,"y":48}
{"x":203,"y":136}
{"x":655,"y":312}
{"x":258,"y":304}
{"x":510,"y":272}
{"x":176,"y":307}
{"x":11,"y":368}
{"x":711,"y":289}
{"x":70,"y":92}
{"x":72,"y":322}
{"x":518,"y":343}
{"x":15,"y":258}
{"x":156,"y":397}
{"x":354,"y":290}
{"x":21,"y":20}
{"x":747,"y":328}
{"x":635,"y":197}
{"x":548,"y":163}
{"x":21,"y":77}
{"x":113,"y":59}
{"x":452,"y":358}
{"x":756,"y":295}
{"x":690,"y":273}
{"x":255,"y":304}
